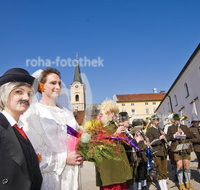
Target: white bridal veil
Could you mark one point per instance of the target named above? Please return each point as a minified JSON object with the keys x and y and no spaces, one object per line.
{"x":63,"y":100}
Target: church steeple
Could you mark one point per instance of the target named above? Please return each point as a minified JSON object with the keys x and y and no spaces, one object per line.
{"x":77,"y":74}
{"x":78,"y":90}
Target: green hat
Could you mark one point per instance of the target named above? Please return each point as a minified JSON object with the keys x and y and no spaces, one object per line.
{"x":136,"y":122}
{"x":176,"y":116}
{"x":154,"y":118}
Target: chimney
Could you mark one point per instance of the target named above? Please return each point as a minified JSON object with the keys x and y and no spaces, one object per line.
{"x":155,"y":90}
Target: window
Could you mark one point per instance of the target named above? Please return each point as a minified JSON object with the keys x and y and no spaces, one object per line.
{"x":154,"y":103}
{"x":147,"y":110}
{"x":186,"y":90}
{"x":77,"y":98}
{"x":146,"y":103}
{"x":133,"y":111}
{"x":123,"y":104}
{"x":175,"y":100}
{"x":169,"y":108}
{"x":132,"y":104}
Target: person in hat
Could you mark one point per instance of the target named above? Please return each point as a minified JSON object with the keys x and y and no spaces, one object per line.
{"x":195,"y":130}
{"x":140,"y":180}
{"x":180,"y":137}
{"x":124,"y":125}
{"x":130,"y":151}
{"x":157,"y":140}
{"x":46,"y":122}
{"x":18,"y":161}
{"x":168,"y":122}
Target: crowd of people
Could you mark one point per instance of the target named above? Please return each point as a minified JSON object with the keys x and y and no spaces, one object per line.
{"x":37,"y":153}
{"x":175,"y":139}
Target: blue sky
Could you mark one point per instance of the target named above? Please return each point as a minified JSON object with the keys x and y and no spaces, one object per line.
{"x":144,"y":44}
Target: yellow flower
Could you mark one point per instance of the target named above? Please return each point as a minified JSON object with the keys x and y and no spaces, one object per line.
{"x":88,"y":125}
{"x":97,"y":122}
{"x":92,"y":125}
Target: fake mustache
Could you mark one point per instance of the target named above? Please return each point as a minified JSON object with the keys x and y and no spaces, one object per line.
{"x":24,"y":102}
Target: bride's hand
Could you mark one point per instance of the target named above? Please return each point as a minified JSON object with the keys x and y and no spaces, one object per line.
{"x":74,"y":158}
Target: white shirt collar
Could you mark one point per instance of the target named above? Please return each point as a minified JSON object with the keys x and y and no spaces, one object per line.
{"x":154,"y":126}
{"x":10,"y":119}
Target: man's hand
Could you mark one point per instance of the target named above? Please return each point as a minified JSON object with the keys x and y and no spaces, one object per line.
{"x":138,"y":137}
{"x":162,"y":137}
{"x":74,"y":158}
{"x":120,"y":130}
{"x":179,"y":132}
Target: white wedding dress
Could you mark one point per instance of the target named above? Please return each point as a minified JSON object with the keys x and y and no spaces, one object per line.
{"x":45,"y":127}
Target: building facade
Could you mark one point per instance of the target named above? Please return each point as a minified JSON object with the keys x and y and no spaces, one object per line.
{"x":139,"y":105}
{"x":184,"y":94}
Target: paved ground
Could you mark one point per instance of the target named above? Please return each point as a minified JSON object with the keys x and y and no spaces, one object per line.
{"x":173,"y":184}
{"x":88,"y":177}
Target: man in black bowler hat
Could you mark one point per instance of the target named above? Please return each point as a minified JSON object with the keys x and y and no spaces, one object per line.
{"x":19,"y":164}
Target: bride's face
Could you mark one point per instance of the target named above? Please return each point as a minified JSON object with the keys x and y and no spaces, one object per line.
{"x":52,"y":85}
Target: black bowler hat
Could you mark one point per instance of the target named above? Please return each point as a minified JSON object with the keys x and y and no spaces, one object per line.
{"x":17,"y":75}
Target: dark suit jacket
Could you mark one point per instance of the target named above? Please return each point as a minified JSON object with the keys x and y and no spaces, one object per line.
{"x":14,"y":173}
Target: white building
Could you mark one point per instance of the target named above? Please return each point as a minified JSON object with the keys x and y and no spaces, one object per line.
{"x":183,"y":96}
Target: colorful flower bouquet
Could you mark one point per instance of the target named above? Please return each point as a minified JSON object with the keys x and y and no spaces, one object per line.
{"x":97,"y":142}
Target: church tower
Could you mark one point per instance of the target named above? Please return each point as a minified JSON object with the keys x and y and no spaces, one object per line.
{"x":78,"y":90}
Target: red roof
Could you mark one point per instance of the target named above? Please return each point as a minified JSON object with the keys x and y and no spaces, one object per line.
{"x":140,"y":97}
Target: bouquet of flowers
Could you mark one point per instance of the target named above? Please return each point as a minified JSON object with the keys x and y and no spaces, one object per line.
{"x":93,"y":143}
{"x":97,"y":142}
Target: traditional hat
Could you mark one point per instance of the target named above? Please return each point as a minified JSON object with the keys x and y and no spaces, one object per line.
{"x":123,"y":116}
{"x":154,"y":117}
{"x":17,"y":75}
{"x":136,"y":128}
{"x":176,"y":116}
{"x":195,"y":118}
{"x":136,"y":122}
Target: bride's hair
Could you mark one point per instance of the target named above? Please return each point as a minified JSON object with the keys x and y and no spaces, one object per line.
{"x":45,"y":72}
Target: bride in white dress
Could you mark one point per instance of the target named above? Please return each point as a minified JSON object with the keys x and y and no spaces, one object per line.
{"x":45,"y":125}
